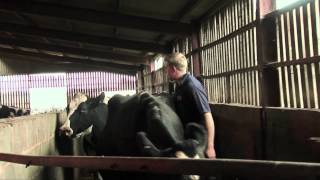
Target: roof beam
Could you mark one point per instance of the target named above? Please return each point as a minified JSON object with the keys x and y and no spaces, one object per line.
{"x":53,"y":59}
{"x":98,"y":17}
{"x":76,"y":51}
{"x":84,"y":38}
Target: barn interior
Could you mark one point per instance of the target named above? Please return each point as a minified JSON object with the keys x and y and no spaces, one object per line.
{"x":258,"y":60}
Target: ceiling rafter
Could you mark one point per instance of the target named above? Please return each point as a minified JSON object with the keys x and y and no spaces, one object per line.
{"x":84,"y":38}
{"x":76,"y":51}
{"x":98,"y":17}
{"x":53,"y":59}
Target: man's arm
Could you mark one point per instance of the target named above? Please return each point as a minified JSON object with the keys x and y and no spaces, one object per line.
{"x":209,"y":123}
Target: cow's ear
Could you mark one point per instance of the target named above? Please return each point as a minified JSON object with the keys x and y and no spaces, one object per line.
{"x":101,"y":97}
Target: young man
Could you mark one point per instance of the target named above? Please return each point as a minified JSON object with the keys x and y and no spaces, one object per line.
{"x":190,"y":98}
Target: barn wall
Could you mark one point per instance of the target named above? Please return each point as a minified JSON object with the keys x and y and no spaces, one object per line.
{"x":31,"y":135}
{"x":238,"y":131}
{"x":286,"y":135}
{"x":290,"y":132}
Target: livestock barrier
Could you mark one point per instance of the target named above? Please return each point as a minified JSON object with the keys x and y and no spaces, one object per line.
{"x":237,"y":167}
{"x":34,"y":135}
{"x":29,"y":150}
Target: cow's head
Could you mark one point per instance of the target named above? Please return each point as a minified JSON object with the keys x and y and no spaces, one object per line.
{"x":77,"y":113}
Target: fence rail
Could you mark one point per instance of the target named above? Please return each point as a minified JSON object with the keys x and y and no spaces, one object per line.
{"x":173,"y":165}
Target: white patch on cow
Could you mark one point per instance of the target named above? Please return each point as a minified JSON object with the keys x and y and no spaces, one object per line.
{"x":76,"y":100}
{"x":182,"y":155}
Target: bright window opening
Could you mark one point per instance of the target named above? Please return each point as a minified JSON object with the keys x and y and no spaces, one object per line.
{"x":284,"y":3}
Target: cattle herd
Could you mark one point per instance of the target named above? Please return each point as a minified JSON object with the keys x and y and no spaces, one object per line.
{"x":10,"y":112}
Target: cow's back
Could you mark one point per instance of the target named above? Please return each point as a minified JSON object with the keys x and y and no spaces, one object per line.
{"x":142,"y":112}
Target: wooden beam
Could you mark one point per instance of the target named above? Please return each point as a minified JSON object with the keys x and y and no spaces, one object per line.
{"x":173,"y":165}
{"x":84,"y":38}
{"x":54,"y":59}
{"x":117,"y":57}
{"x":310,"y":60}
{"x":230,"y":36}
{"x":98,"y":17}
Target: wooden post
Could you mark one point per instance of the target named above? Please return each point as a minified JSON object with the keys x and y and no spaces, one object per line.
{"x":263,"y":55}
{"x":195,"y":55}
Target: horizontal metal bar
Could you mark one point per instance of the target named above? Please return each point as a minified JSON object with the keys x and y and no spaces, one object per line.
{"x":172,"y":165}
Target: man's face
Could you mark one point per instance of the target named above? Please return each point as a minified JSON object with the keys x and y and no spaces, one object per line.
{"x":171,"y":71}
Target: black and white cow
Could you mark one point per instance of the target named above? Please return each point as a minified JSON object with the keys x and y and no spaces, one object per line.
{"x":138,"y":125}
{"x":84,"y":112}
{"x":10,"y":112}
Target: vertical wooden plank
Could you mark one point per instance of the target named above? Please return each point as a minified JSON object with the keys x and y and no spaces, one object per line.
{"x":252,"y":64}
{"x":317,"y":65}
{"x":13,"y":90}
{"x":293,"y":31}
{"x":21,"y":91}
{"x":279,"y":57}
{"x":290,"y":46}
{"x":304,"y":31}
{"x":284,"y":59}
{"x":317,"y":24}
{"x":249,"y":48}
{"x":313,"y":49}
{"x":309,"y":53}
{"x":68,"y":86}
{"x":1,"y":89}
{"x":211,"y":66}
{"x":298,"y":54}
{"x":306,"y":54}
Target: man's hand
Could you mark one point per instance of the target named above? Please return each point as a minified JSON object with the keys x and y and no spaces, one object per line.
{"x":211,"y":153}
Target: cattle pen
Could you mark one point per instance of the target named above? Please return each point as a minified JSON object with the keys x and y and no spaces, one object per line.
{"x":258,"y":60}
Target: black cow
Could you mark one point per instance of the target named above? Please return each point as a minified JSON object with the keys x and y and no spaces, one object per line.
{"x":83,"y":112}
{"x":140,"y":125}
{"x":6,"y":111}
{"x":10,"y":112}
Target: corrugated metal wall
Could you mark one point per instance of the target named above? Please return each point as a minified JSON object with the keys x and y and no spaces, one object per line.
{"x":15,"y":89}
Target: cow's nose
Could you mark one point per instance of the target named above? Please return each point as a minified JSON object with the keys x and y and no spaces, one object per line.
{"x":66,"y":129}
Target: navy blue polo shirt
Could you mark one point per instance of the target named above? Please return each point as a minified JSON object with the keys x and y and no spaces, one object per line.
{"x":191,"y":100}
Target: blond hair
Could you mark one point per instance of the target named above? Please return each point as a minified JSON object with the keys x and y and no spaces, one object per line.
{"x":177,"y":60}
